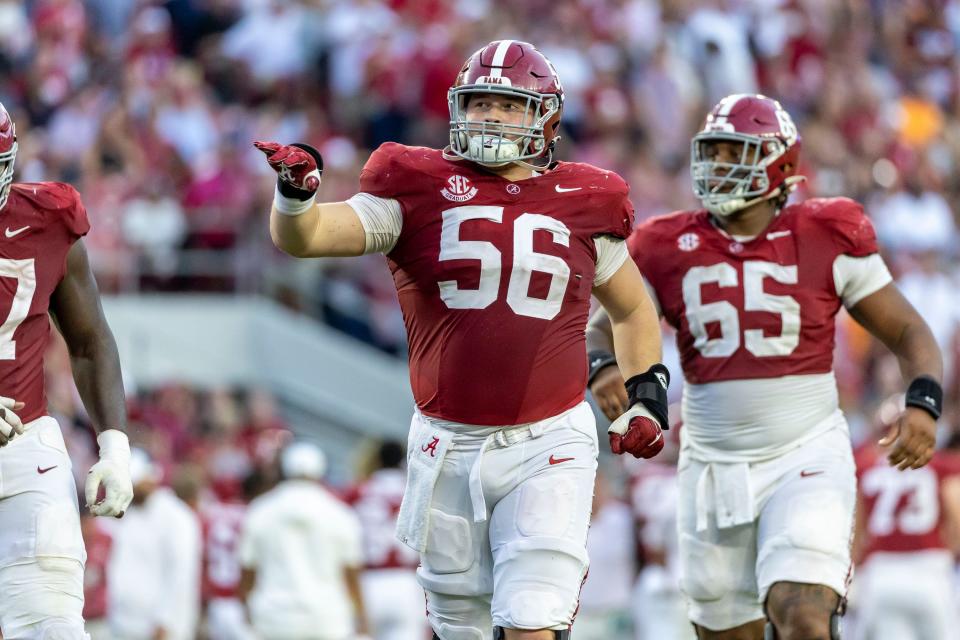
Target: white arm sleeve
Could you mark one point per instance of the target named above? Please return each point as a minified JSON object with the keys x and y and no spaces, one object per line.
{"x":611,"y":254}
{"x":856,"y":278}
{"x":382,"y":220}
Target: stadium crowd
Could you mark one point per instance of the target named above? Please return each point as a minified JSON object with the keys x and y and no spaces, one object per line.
{"x":149,"y":109}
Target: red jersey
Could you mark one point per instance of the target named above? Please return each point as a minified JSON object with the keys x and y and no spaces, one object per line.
{"x":222,"y":524}
{"x":494,"y":279}
{"x":903,"y":510}
{"x":376,"y":502}
{"x":761,"y":308}
{"x":40,"y":221}
{"x":98,"y":542}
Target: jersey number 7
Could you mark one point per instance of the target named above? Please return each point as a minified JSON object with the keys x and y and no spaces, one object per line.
{"x":25,"y":273}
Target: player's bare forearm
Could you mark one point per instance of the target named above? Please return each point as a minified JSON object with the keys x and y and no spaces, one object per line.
{"x":327,"y":229}
{"x":634,"y":324}
{"x":892,"y":319}
{"x":76,"y":310}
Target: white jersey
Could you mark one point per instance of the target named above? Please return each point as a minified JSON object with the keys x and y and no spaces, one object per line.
{"x":153,"y":576}
{"x":299,"y":539}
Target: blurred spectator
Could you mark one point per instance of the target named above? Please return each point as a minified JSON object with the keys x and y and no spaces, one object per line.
{"x":391,"y":593}
{"x":916,"y":217}
{"x":301,"y":556}
{"x":155,"y":224}
{"x":153,"y":576}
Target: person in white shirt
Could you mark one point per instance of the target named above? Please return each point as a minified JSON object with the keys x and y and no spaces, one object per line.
{"x":153,"y":574}
{"x":301,"y":555}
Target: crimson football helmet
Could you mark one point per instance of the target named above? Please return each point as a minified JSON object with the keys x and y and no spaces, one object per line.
{"x":512,"y":68}
{"x":768,"y":158}
{"x":8,"y":153}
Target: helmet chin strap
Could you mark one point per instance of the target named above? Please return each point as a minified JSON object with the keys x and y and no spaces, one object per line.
{"x":730,"y":207}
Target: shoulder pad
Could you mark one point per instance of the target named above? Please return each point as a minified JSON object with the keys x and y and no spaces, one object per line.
{"x":59,"y":199}
{"x":846,"y":222}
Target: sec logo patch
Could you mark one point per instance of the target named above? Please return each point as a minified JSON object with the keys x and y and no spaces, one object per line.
{"x":688,"y":242}
{"x":458,"y":189}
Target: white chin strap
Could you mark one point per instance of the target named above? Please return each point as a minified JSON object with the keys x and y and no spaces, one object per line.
{"x":493,"y":150}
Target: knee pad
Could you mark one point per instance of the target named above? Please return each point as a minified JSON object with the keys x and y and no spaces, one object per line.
{"x":836,"y":628}
{"x":62,"y":631}
{"x":500,"y":634}
{"x":538,"y":583}
{"x":451,"y":632}
{"x":456,"y":617}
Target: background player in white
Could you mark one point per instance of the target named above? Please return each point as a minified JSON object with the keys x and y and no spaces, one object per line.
{"x":495,"y":250}
{"x":44,"y":275}
{"x":301,"y":556}
{"x":752,"y":285}
{"x":391,"y":594}
{"x":153,"y":575}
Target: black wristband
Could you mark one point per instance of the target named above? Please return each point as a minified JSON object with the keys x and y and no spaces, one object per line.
{"x":650,"y":389}
{"x":596,"y":361}
{"x":927,"y":394}
{"x":287,"y":190}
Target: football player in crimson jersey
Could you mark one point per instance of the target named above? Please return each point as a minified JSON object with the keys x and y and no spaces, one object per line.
{"x":752,"y":285}
{"x":44,"y":274}
{"x":394,"y":600}
{"x":495,"y":250}
{"x":907,"y":525}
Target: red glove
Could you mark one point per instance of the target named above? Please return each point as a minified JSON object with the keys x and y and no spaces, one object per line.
{"x":636,"y":432}
{"x":298,"y":167}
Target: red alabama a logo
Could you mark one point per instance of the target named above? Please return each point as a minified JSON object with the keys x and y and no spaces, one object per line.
{"x":431,"y":447}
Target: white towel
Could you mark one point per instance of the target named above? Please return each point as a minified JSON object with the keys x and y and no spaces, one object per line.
{"x":725,"y":489}
{"x":428,"y":446}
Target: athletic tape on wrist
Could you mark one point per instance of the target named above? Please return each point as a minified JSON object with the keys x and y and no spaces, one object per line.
{"x":291,"y":206}
{"x":113,"y":442}
{"x":926,"y":393}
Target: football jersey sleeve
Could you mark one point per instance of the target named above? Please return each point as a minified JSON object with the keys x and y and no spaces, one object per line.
{"x":73,"y":211}
{"x":383,"y":175}
{"x":851,"y":230}
{"x":621,"y":208}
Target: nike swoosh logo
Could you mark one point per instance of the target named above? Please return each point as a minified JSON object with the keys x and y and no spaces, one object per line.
{"x":564,"y":190}
{"x":558,"y":460}
{"x":773,"y":235}
{"x":39,"y":470}
{"x":15,"y":232}
{"x":807,"y":474}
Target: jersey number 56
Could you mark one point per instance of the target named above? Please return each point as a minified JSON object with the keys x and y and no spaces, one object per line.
{"x":525,"y":262}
